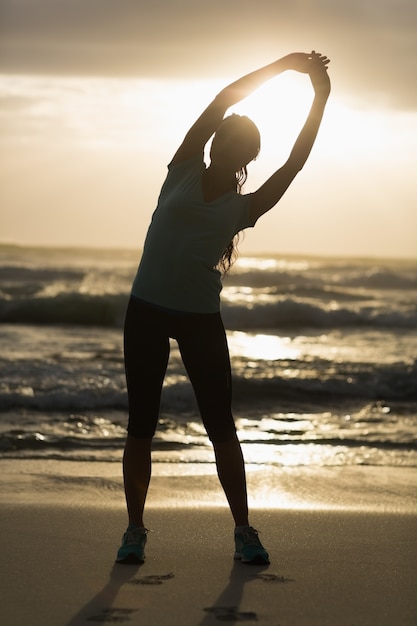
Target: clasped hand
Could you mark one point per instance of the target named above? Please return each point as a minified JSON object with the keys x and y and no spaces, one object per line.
{"x":314,"y":64}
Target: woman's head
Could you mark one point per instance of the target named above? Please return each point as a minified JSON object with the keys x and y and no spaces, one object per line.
{"x":236,"y":143}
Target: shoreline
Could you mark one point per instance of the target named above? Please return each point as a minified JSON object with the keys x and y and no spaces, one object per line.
{"x":374,"y":489}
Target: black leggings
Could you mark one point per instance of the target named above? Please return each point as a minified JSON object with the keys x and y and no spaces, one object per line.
{"x":203,"y":346}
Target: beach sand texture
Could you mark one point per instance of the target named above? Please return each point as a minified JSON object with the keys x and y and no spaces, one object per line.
{"x":330,"y":564}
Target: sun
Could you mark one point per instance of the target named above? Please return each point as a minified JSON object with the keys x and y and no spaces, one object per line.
{"x":164,"y":110}
{"x":279,"y":109}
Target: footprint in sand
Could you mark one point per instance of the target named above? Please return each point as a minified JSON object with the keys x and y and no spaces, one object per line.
{"x":273,"y":578}
{"x":153,"y":579}
{"x":118,"y":616}
{"x":231,"y":614}
{"x":112,"y":616}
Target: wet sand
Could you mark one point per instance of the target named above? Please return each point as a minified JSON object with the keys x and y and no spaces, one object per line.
{"x":330,"y":565}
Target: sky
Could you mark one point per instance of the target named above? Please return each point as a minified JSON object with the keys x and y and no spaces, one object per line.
{"x":96,"y":95}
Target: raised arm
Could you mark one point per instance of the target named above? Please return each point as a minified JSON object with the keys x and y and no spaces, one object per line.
{"x":272,"y":190}
{"x":208,"y":122}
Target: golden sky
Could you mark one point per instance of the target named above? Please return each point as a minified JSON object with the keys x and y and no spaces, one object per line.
{"x":96,"y":95}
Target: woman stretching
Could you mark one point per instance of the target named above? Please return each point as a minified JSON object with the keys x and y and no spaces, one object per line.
{"x":176,"y":292}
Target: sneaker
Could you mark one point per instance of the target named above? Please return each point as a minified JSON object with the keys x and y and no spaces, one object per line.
{"x":248,"y":547}
{"x":132,"y":549}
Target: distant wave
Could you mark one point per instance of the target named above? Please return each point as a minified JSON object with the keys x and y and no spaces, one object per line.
{"x":350,"y":382}
{"x":108,"y":310}
{"x":65,"y":308}
{"x":91,"y":288}
{"x":294,"y":313}
{"x":346,"y":276}
{"x":396,"y":381}
{"x":383,"y":279}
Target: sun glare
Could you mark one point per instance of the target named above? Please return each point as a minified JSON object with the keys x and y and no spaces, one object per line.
{"x":125,"y":114}
{"x":278,"y":108}
{"x":261,"y":346}
{"x":83,"y":144}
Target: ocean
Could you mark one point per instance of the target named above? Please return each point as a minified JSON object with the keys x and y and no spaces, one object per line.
{"x":323,"y":354}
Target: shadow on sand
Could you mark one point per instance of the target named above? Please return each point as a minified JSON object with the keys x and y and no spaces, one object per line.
{"x":100,"y":609}
{"x":226,"y":607}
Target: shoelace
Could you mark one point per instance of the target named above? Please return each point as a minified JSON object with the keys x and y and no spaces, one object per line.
{"x":250,"y":537}
{"x":134,"y":536}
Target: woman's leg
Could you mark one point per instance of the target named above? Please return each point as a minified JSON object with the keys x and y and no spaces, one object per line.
{"x":231,"y":471}
{"x":136,"y":475}
{"x":205,"y":355}
{"x":146,"y":349}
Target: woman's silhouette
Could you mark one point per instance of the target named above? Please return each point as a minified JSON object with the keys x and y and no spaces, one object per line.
{"x":176,"y":292}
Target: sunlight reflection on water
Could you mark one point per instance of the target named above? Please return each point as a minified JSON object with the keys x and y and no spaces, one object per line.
{"x":261,"y":346}
{"x":296,"y":455}
{"x":263,"y":264}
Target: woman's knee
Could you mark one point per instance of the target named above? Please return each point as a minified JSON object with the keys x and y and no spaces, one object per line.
{"x":141,"y":430}
{"x":220,"y":434}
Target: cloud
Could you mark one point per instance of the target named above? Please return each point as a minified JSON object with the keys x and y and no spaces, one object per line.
{"x":372,"y":44}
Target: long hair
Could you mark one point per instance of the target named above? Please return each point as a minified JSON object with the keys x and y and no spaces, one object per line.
{"x":231,"y":253}
{"x":251,"y":132}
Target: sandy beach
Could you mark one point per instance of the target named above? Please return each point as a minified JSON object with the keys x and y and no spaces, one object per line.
{"x":331,"y":564}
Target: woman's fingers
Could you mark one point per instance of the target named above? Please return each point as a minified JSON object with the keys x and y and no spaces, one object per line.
{"x":321,"y":58}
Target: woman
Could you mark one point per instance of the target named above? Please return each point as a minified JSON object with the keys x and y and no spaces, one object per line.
{"x":176,"y":292}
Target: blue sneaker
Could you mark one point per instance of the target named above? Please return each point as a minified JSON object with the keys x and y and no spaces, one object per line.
{"x":132,"y":549}
{"x":248,"y":547}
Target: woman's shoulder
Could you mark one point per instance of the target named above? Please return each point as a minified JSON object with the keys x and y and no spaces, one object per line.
{"x":182,"y":173}
{"x":195,"y":162}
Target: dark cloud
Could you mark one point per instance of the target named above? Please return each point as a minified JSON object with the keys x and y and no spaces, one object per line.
{"x":373,"y":44}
